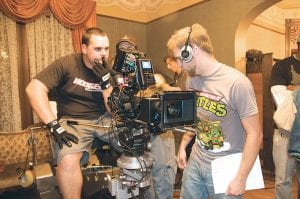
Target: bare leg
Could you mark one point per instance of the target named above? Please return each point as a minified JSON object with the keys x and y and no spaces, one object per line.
{"x":69,"y":177}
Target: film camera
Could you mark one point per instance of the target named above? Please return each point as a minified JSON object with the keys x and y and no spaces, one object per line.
{"x":135,"y":118}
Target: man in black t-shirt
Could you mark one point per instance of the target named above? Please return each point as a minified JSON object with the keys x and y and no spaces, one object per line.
{"x":285,"y":78}
{"x":81,"y":82}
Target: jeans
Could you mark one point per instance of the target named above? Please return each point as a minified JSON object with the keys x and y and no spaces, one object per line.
{"x":161,"y":186}
{"x":164,"y":167}
{"x":284,"y":165}
{"x":197,"y":183}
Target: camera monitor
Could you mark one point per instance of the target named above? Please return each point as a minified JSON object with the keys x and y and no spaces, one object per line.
{"x":145,"y":73}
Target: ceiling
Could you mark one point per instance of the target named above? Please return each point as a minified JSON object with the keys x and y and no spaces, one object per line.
{"x":142,"y":10}
{"x":148,"y":10}
{"x":289,"y":4}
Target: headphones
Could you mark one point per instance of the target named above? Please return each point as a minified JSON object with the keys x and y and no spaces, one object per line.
{"x":187,"y":50}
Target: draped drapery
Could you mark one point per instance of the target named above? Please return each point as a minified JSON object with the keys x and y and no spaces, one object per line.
{"x":45,"y":30}
{"x":77,"y":33}
{"x":24,"y":10}
{"x":47,"y":40}
{"x":72,"y":14}
{"x":9,"y":95}
{"x":75,"y":14}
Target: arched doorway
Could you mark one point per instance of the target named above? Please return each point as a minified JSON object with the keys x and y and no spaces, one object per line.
{"x":267,"y":102}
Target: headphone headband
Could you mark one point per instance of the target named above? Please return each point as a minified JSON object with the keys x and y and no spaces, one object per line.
{"x":187,"y":50}
{"x":188,"y":38}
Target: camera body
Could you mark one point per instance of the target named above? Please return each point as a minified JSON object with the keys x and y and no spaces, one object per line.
{"x":171,"y":109}
{"x":135,"y":118}
{"x":134,"y":66}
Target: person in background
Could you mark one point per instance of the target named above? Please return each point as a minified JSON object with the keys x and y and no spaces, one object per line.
{"x":226,"y":105}
{"x":162,"y":151}
{"x":285,"y":78}
{"x":162,"y":146}
{"x":180,"y":77}
{"x":179,"y":80}
{"x":81,"y":83}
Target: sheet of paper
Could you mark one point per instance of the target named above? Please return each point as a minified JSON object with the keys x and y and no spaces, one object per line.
{"x":225,"y":168}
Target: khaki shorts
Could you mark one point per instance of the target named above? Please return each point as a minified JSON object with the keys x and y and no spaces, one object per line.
{"x":86,"y":131}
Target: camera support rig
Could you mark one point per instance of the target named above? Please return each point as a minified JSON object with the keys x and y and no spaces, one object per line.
{"x":133,"y":136}
{"x":135,"y":118}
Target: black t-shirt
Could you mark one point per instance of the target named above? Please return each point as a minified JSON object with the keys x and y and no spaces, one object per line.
{"x":78,"y":92}
{"x":286,"y":72}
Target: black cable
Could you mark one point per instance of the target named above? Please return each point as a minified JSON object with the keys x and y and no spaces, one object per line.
{"x":127,"y":149}
{"x":144,"y":173}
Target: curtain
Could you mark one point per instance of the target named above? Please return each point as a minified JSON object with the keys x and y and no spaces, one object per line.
{"x":30,"y":50}
{"x":78,"y":32}
{"x":47,"y":40}
{"x":10,"y":117}
{"x":72,"y":14}
{"x":75,"y":14}
{"x":24,"y":10}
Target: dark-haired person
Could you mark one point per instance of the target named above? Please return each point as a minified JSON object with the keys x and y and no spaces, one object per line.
{"x":226,"y":106}
{"x":81,"y":84}
{"x":285,"y":78}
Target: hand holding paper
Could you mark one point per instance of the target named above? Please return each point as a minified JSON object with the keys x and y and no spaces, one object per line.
{"x":222,"y":176}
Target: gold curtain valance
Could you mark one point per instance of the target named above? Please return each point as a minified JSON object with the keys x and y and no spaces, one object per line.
{"x":24,"y":10}
{"x":74,"y":14}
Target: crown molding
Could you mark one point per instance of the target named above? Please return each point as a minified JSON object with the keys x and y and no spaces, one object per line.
{"x":289,"y":4}
{"x":273,"y":19}
{"x":142,"y":11}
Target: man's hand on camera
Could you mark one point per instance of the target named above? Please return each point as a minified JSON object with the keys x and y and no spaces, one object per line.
{"x":61,"y":136}
{"x":102,"y":71}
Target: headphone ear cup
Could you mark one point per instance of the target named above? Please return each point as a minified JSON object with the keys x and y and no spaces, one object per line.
{"x":186,"y":53}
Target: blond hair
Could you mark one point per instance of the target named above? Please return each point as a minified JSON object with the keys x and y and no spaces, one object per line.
{"x":198,"y":36}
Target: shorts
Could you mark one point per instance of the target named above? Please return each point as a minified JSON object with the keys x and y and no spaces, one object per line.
{"x":86,"y":131}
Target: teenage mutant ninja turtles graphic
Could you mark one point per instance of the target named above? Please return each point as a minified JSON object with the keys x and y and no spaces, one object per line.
{"x":210,"y":134}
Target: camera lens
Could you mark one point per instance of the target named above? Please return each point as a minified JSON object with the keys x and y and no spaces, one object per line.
{"x":174,"y":109}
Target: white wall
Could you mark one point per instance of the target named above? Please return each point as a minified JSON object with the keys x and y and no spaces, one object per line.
{"x":266,"y":40}
{"x":267,"y":31}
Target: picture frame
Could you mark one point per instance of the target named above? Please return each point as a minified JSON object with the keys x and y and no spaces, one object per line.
{"x":292,"y":27}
